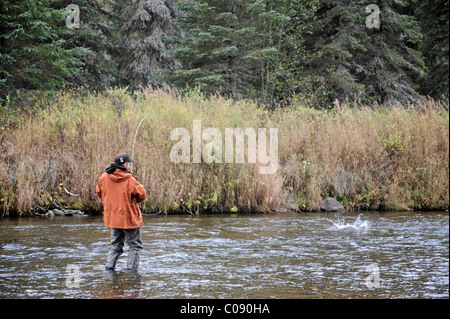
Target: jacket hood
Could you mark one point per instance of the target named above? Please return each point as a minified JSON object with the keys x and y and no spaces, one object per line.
{"x":118,"y":173}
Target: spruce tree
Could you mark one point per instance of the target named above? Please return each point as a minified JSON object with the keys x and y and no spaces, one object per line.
{"x":227,"y":47}
{"x":294,"y":52}
{"x":433,"y":16}
{"x":347,"y":60}
{"x":35,"y":53}
{"x":99,"y":32}
{"x":145,"y":24}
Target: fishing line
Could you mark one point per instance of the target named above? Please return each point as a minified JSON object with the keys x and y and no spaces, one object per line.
{"x":229,"y":166}
{"x":134,"y":142}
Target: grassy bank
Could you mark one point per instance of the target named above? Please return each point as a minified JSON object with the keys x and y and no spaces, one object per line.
{"x":394,"y":157}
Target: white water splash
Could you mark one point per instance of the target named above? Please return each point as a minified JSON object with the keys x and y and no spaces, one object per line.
{"x":342,"y":224}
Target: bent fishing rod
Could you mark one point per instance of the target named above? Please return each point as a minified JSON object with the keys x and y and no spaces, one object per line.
{"x":226,"y":164}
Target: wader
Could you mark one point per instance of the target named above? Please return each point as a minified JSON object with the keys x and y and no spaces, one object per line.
{"x":118,"y":237}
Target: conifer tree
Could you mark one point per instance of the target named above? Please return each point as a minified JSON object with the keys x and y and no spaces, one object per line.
{"x":433,"y":16}
{"x":343,"y":58}
{"x":35,"y":53}
{"x":145,"y":24}
{"x":227,"y":46}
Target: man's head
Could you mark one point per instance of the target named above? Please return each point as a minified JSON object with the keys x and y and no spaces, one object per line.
{"x":123,"y":159}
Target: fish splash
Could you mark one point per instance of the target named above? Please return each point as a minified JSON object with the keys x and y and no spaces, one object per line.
{"x":342,"y":224}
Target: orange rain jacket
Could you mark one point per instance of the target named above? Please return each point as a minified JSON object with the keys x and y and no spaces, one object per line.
{"x":120,"y":193}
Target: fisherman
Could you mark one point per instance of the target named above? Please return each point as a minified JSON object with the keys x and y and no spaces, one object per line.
{"x":121,"y":193}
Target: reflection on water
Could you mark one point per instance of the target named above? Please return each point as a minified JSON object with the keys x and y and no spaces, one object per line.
{"x":271,"y":256}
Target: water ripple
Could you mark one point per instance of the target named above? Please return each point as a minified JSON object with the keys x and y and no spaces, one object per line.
{"x":276,"y":256}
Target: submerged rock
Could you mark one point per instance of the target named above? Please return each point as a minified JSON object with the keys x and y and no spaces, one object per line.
{"x":71,"y":212}
{"x":330,"y":204}
{"x":50,"y":213}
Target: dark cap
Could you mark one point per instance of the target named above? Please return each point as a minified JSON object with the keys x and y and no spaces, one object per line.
{"x":122,"y":159}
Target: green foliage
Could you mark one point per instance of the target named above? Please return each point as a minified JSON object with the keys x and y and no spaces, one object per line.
{"x":394,"y":143}
{"x":142,"y":25}
{"x":344,"y":59}
{"x":228,"y":46}
{"x":99,"y":33}
{"x":195,"y":205}
{"x":434,"y":21}
{"x":289,"y":78}
{"x":272,"y":51}
{"x":35,"y":51}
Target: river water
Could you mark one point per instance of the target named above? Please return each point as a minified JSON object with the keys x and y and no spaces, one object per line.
{"x":376,"y":255}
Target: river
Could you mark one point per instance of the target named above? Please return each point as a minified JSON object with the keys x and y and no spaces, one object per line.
{"x":373,"y":255}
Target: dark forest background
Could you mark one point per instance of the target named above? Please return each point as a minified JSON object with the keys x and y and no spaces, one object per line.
{"x":270,"y":51}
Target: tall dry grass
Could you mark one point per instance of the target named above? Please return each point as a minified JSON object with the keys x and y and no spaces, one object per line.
{"x":391,"y":156}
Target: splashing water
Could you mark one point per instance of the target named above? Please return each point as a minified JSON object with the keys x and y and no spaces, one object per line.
{"x":342,"y":224}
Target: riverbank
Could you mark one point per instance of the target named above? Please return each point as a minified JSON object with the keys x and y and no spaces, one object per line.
{"x":391,"y":158}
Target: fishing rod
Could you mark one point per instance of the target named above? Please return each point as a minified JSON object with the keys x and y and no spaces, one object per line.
{"x":134,"y":142}
{"x":226,"y":164}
